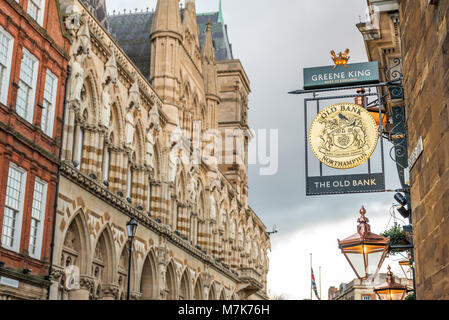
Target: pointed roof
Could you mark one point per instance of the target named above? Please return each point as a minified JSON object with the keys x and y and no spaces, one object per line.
{"x":132,"y":33}
{"x":220,"y":13}
{"x":167,"y":17}
{"x":208,"y":46}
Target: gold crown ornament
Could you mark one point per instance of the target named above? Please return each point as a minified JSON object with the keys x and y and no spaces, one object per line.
{"x":341,"y":59}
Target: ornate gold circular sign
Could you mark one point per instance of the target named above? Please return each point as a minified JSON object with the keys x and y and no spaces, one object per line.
{"x":343,"y":136}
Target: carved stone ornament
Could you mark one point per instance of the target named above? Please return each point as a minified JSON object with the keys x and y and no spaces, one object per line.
{"x":153,"y":118}
{"x":105,"y":118}
{"x":134,"y":95}
{"x":86,"y":283}
{"x":192,"y":185}
{"x":213,"y":207}
{"x":129,"y":128}
{"x":110,"y":72}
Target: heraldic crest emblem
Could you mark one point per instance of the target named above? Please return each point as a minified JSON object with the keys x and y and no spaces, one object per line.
{"x":343,"y":136}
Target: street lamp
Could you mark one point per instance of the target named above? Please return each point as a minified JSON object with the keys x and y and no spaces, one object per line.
{"x":365,"y":251}
{"x":131,"y":227}
{"x":390,"y":290}
{"x":405,"y":266}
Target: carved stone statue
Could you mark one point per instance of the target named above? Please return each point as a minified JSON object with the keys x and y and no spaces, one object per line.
{"x":134,"y":95}
{"x":248,"y":245}
{"x":223,"y":218}
{"x":213,"y":207}
{"x":110,"y":72}
{"x":76,"y":78}
{"x":191,"y":187}
{"x":153,"y":117}
{"x":150,"y":148}
{"x":80,"y":50}
{"x":240,"y":238}
{"x":129,"y":128}
{"x":105,"y":117}
{"x":232,"y":232}
{"x":173,"y":159}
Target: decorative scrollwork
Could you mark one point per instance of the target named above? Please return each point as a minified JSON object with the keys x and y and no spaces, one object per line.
{"x":392,"y":73}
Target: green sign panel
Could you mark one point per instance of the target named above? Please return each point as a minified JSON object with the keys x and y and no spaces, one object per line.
{"x":349,"y":75}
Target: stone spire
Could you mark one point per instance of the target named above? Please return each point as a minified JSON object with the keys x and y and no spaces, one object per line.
{"x":190,"y":22}
{"x":167,"y":17}
{"x":209,"y":68}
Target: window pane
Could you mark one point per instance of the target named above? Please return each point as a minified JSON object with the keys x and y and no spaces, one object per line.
{"x":49,"y":98}
{"x":12,"y":203}
{"x":24,"y":105}
{"x":6,"y":46}
{"x":37,"y":212}
{"x":34,"y":8}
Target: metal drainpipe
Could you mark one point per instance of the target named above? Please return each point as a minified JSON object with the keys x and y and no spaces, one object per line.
{"x":55,"y":205}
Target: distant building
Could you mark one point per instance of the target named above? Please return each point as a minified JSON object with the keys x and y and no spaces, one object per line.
{"x":33,"y":72}
{"x":143,"y":85}
{"x":361,"y":290}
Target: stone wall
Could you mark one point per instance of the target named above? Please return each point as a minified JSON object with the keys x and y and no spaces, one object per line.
{"x":425,"y":49}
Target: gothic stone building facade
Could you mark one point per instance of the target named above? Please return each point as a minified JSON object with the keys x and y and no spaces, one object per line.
{"x":33,"y":64}
{"x":417,"y":33}
{"x":140,"y":86}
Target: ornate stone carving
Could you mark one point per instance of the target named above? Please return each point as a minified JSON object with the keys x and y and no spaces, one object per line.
{"x":223,"y":218}
{"x":111,"y":290}
{"x":105,"y":117}
{"x":233,"y":230}
{"x":129,"y":128}
{"x":80,"y":50}
{"x":134,"y":95}
{"x":110,"y":71}
{"x":153,"y":118}
{"x":192,"y":185}
{"x":213,"y":206}
{"x":240,"y":240}
{"x":173,"y":158}
{"x":86,"y":283}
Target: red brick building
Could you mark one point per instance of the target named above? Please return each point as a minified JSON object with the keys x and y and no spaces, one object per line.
{"x":33,"y":72}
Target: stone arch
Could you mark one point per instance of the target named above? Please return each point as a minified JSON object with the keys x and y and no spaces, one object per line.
{"x":157,"y":160}
{"x":90,"y":97}
{"x":76,"y":247}
{"x":185,"y":286}
{"x":103,"y":257}
{"x":117,"y":125}
{"x":212,"y":292}
{"x":171,"y":282}
{"x":122,"y":270}
{"x":222,"y":294}
{"x":198,"y":291}
{"x":148,"y":277}
{"x":180,"y":184}
{"x":139,"y":143}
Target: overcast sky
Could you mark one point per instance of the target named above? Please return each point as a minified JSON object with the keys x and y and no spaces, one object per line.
{"x":275,"y":40}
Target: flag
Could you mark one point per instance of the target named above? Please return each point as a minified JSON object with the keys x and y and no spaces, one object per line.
{"x":314,"y":286}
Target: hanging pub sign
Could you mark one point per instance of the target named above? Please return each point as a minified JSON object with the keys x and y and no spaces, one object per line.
{"x":343,"y":136}
{"x":337,"y":76}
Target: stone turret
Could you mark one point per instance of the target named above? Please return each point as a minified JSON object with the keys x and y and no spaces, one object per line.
{"x":166,"y":38}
